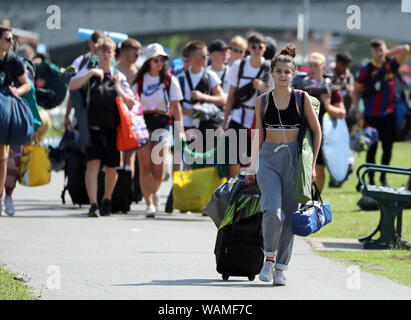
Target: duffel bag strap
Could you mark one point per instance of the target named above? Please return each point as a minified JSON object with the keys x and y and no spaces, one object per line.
{"x":317,"y":192}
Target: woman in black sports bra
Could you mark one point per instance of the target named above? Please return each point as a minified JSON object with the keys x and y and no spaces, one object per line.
{"x":278,"y":153}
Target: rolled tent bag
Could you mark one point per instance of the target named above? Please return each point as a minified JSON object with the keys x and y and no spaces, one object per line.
{"x":16,"y":119}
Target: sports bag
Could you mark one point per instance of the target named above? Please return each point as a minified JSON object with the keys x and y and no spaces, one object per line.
{"x":16,"y":119}
{"x":55,"y":90}
{"x":102,"y":105}
{"x":312,"y":216}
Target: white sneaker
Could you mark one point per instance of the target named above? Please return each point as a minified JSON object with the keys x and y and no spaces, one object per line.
{"x":8,"y":203}
{"x":266,"y":273}
{"x":156,"y":202}
{"x":279,"y":278}
{"x":151,"y":211}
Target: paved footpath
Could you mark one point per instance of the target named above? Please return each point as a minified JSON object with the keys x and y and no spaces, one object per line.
{"x":65,"y":255}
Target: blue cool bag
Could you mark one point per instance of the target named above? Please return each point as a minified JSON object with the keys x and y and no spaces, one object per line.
{"x":16,"y":119}
{"x":312,"y":216}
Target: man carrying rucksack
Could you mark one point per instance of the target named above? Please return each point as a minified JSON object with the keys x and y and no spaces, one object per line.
{"x":375,"y":82}
{"x":331,"y":101}
{"x":101,"y":86}
{"x":14,"y":77}
{"x":81,"y":63}
{"x":248,"y":78}
{"x":201,"y":88}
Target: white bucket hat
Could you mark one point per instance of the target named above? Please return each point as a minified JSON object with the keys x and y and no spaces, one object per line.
{"x":151,"y":51}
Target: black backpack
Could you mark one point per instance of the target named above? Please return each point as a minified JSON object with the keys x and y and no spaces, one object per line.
{"x":102,"y":106}
{"x":203,"y":85}
{"x":246,"y":92}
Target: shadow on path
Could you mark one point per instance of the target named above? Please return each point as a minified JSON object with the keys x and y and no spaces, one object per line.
{"x":200,"y":283}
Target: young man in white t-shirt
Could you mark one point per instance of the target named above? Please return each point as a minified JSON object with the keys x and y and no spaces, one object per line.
{"x":241,"y":106}
{"x":218,"y":50}
{"x":205,"y":87}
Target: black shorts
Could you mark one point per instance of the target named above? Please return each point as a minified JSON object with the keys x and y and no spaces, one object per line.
{"x":156,"y":121}
{"x":243,"y":147}
{"x":103,"y":147}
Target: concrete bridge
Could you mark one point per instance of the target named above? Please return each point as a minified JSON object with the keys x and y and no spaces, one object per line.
{"x":381,"y":18}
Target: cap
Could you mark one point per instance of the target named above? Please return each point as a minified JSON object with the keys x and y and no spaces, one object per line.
{"x":217,"y":45}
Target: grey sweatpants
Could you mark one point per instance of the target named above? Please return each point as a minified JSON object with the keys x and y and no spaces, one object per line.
{"x":276,"y":179}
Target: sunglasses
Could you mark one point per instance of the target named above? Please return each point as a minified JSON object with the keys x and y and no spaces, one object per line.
{"x":10,"y":39}
{"x":237,"y":50}
{"x":159,"y":60}
{"x":255,"y":47}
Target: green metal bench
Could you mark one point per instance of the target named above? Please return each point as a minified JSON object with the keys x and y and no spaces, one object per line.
{"x":391,"y":202}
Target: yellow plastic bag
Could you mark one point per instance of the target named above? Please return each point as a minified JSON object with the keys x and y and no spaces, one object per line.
{"x":193,"y":189}
{"x":35,"y":166}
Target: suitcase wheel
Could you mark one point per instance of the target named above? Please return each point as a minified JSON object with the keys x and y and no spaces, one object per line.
{"x":251,"y":277}
{"x":225,"y":276}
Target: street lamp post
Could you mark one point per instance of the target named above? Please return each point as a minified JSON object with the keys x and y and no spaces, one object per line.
{"x":306,"y":27}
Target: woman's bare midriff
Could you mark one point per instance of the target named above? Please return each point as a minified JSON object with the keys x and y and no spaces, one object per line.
{"x":280,"y":136}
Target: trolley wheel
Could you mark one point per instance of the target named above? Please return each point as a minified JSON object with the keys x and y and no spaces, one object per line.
{"x":225,"y":277}
{"x":251,"y":277}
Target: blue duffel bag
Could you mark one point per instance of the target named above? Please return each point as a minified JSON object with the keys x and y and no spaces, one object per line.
{"x":312,"y":216}
{"x":16,"y":119}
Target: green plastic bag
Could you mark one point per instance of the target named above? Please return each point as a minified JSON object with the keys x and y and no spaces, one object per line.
{"x":303,"y":183}
{"x":208,"y":159}
{"x":245,"y":206}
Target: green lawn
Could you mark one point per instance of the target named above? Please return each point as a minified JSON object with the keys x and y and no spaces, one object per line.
{"x":350,"y":222}
{"x":11,"y":288}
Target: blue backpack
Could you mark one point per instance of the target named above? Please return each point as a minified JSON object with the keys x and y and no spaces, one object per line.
{"x":16,"y":119}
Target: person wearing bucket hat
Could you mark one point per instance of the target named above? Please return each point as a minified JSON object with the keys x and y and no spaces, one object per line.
{"x":151,"y":51}
{"x":160,"y":94}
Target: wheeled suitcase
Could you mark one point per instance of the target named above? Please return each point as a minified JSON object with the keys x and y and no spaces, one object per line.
{"x":239,"y":248}
{"x":122,"y":195}
{"x":75,"y":170}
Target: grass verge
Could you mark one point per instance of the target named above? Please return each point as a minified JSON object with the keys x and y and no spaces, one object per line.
{"x":13,"y":288}
{"x":392,"y":264}
{"x":350,"y":222}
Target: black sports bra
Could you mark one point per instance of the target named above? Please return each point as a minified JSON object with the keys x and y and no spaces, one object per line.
{"x":290,"y":117}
